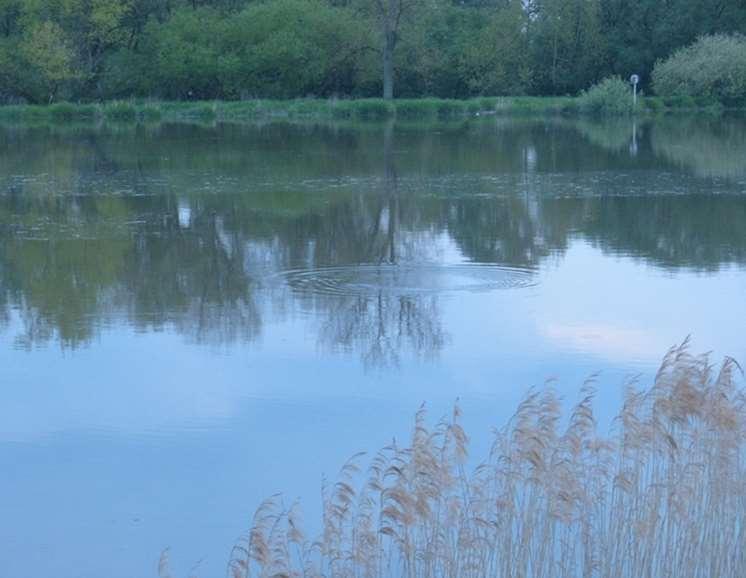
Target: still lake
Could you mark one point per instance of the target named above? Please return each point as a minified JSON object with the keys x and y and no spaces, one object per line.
{"x":193,"y":318}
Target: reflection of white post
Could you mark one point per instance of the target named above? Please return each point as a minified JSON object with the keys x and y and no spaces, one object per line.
{"x":184,"y":211}
{"x":634,"y":79}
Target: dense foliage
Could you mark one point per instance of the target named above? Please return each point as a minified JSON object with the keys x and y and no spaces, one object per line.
{"x":610,"y":96}
{"x":712,"y":68}
{"x":53,"y":50}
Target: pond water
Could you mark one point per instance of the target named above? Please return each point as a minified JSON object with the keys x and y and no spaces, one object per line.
{"x":193,"y":318}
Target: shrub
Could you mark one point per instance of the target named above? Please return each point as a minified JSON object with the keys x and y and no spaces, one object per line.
{"x":488,"y":104}
{"x":31,"y":113}
{"x":712,"y":68}
{"x":473,"y":106}
{"x":425,"y":108}
{"x":201,"y":111}
{"x":706,"y":101}
{"x":517,"y":105}
{"x":308,"y":107}
{"x":653,"y":104}
{"x":531,"y":105}
{"x":610,"y":96}
{"x":342,"y":109}
{"x":243,"y":109}
{"x":120,"y":111}
{"x":373,"y":109}
{"x":450,"y":108}
{"x":62,"y":111}
{"x":34,"y":113}
{"x":680,"y":101}
{"x":416,"y":108}
{"x":568,"y":106}
{"x":150,"y":113}
{"x":67,"y":112}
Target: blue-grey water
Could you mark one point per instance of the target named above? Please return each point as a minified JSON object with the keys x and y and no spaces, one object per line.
{"x":193,"y":318}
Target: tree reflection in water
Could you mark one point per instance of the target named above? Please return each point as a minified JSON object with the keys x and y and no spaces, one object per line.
{"x":179,"y":227}
{"x":381,"y":324}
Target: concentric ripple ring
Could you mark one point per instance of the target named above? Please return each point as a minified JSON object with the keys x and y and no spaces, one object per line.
{"x":404,"y":279}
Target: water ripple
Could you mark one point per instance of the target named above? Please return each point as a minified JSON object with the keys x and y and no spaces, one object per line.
{"x":404,"y":279}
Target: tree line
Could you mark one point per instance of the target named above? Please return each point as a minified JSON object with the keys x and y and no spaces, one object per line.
{"x":89,"y":50}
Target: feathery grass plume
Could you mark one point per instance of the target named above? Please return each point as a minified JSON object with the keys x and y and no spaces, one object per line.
{"x":164,"y":569}
{"x":663,"y":496}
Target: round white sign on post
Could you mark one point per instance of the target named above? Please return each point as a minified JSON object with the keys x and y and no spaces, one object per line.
{"x":634,"y":79}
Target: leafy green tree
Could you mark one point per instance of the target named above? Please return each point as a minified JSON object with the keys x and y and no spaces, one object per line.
{"x":98,"y":49}
{"x":49,"y":56}
{"x":293,"y":48}
{"x":10,"y":12}
{"x":495,"y":60}
{"x":459,"y":51}
{"x":427,"y":52}
{"x":390,"y":17}
{"x":714,"y":67}
{"x":10,"y":36}
{"x":91,"y":29}
{"x":568,"y":47}
{"x":189,"y":54}
{"x":6,"y":71}
{"x":640,"y":32}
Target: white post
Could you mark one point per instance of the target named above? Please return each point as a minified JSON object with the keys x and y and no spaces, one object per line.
{"x":634,"y":79}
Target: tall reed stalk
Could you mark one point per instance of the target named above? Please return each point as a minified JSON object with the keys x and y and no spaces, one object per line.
{"x":663,"y":496}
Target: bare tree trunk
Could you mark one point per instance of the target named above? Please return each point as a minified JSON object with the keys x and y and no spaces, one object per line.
{"x":388,"y":72}
{"x":389,"y":43}
{"x":554,"y":64}
{"x":391,"y":188}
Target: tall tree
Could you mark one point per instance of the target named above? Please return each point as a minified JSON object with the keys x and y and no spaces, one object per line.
{"x":10,"y":11}
{"x":496,"y":59}
{"x":49,"y":56}
{"x":568,"y":47}
{"x":390,"y":14}
{"x":639,"y":32}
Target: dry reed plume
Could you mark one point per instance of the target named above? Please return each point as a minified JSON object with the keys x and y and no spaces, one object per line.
{"x":664,"y":496}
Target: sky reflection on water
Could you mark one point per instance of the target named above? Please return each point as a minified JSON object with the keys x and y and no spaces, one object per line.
{"x":192,"y":318}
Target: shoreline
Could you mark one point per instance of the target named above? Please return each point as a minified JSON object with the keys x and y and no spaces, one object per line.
{"x":369,"y":109}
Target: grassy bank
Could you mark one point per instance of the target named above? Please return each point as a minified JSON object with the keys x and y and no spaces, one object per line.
{"x":362,"y":109}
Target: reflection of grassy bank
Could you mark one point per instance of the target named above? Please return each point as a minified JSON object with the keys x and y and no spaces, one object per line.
{"x":613,"y":135}
{"x":702,"y":143}
{"x":662,"y":496}
{"x":710,"y":148}
{"x":362,"y":109}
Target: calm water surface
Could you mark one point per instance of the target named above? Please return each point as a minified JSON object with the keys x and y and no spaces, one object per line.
{"x":193,"y":318}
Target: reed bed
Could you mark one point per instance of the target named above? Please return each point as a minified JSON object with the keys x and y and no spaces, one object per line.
{"x":663,"y":495}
